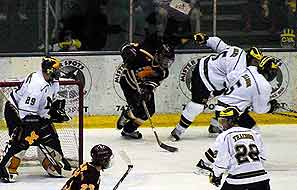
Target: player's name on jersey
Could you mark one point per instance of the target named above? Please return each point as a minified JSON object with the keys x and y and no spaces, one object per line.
{"x":243,"y":136}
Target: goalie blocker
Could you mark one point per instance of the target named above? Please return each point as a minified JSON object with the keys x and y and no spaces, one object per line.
{"x":33,"y":130}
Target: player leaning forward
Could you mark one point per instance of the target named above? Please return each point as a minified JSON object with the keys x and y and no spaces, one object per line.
{"x":29,"y":114}
{"x":209,"y":76}
{"x":240,"y":152}
{"x":150,"y":61}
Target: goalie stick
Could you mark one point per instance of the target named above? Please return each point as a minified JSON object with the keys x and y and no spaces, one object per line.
{"x":125,"y":157}
{"x":162,"y":145}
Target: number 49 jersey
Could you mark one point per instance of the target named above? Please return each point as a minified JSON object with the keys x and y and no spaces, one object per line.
{"x":241,"y":153}
{"x":34,"y":96}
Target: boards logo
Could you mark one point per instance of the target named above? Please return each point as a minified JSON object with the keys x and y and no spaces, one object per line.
{"x":116,"y":82}
{"x":76,"y":70}
{"x":280,"y":83}
{"x":185,"y":76}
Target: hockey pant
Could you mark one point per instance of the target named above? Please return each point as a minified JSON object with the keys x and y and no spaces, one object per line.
{"x":33,"y":134}
{"x":136,"y":112}
{"x":200,"y":97}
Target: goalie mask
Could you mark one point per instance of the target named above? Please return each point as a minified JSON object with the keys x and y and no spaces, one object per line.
{"x":101,"y":156}
{"x":164,"y":56}
{"x":51,"y":66}
{"x":268,"y":68}
{"x":254,"y":56}
{"x":228,"y":117}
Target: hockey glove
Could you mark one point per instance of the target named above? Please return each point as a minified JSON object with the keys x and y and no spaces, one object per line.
{"x":200,"y":38}
{"x":215,"y":180}
{"x":274,"y":105}
{"x":146,"y":93}
{"x":57,"y":112}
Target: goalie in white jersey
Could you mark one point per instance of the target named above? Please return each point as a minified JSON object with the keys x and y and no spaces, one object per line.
{"x":240,"y":152}
{"x":29,"y":114}
{"x":251,"y":90}
{"x":209,"y":75}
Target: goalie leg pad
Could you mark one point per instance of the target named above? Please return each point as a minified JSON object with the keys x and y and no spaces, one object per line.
{"x":46,"y":164}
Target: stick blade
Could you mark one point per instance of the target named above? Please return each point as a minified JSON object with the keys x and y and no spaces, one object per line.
{"x":168,"y":148}
{"x":126,"y":158}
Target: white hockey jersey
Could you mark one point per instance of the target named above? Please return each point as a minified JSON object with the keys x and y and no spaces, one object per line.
{"x":241,"y":153}
{"x":214,"y":68}
{"x":252,"y":89}
{"x":34,"y":96}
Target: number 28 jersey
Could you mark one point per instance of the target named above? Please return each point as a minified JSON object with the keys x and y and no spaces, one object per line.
{"x":241,"y":153}
{"x":35,"y":95}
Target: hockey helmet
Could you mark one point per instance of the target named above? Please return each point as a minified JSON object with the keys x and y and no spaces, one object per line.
{"x":165,"y":56}
{"x":228,"y":117}
{"x":268,"y":67}
{"x":254,"y":56}
{"x":51,"y":66}
{"x":101,"y":156}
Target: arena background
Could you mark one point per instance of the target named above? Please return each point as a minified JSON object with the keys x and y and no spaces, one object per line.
{"x":103,"y":99}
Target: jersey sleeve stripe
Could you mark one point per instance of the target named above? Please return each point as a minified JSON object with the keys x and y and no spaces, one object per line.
{"x":238,"y":59}
{"x":255,"y":82}
{"x":218,"y":45}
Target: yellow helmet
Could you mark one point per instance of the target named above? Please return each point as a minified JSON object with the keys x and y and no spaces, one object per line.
{"x":254,"y":54}
{"x":268,"y":67}
{"x":51,"y":66}
{"x":227,"y":117}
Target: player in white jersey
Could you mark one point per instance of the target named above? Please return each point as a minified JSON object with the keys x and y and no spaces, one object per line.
{"x":209,"y":76}
{"x":252,"y":90}
{"x":29,"y":114}
{"x":240,"y":152}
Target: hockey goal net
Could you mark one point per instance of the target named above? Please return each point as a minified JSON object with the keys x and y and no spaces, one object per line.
{"x":70,"y":133}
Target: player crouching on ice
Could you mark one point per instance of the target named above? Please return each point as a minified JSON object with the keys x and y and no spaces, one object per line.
{"x":240,"y":152}
{"x":87,"y":176}
{"x":29,"y":114}
{"x":150,"y":61}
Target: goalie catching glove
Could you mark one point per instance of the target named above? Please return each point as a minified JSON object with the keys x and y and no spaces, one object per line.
{"x":200,"y":38}
{"x":57,"y":112}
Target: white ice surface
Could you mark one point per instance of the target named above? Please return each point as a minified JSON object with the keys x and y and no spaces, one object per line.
{"x":157,"y":169}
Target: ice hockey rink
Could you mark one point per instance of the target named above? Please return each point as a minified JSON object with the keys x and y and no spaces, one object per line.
{"x":157,"y":169}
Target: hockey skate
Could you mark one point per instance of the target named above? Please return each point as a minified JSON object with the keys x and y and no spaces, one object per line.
{"x":133,"y":135}
{"x":175,"y":135}
{"x":123,"y":120}
{"x":202,"y":168}
{"x":214,"y":128}
{"x":5,"y":176}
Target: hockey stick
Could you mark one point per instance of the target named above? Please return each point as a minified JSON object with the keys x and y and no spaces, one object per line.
{"x":284,"y":114}
{"x":130,"y":166}
{"x":50,"y":158}
{"x":288,"y":109}
{"x":162,"y":145}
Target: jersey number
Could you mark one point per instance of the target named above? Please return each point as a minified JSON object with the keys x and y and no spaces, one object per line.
{"x":30,"y":101}
{"x":246,"y":154}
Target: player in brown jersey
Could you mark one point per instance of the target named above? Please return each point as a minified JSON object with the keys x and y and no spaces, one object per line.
{"x":87,"y":175}
{"x":149,"y":61}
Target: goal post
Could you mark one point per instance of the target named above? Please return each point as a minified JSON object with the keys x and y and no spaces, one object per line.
{"x":70,"y":133}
